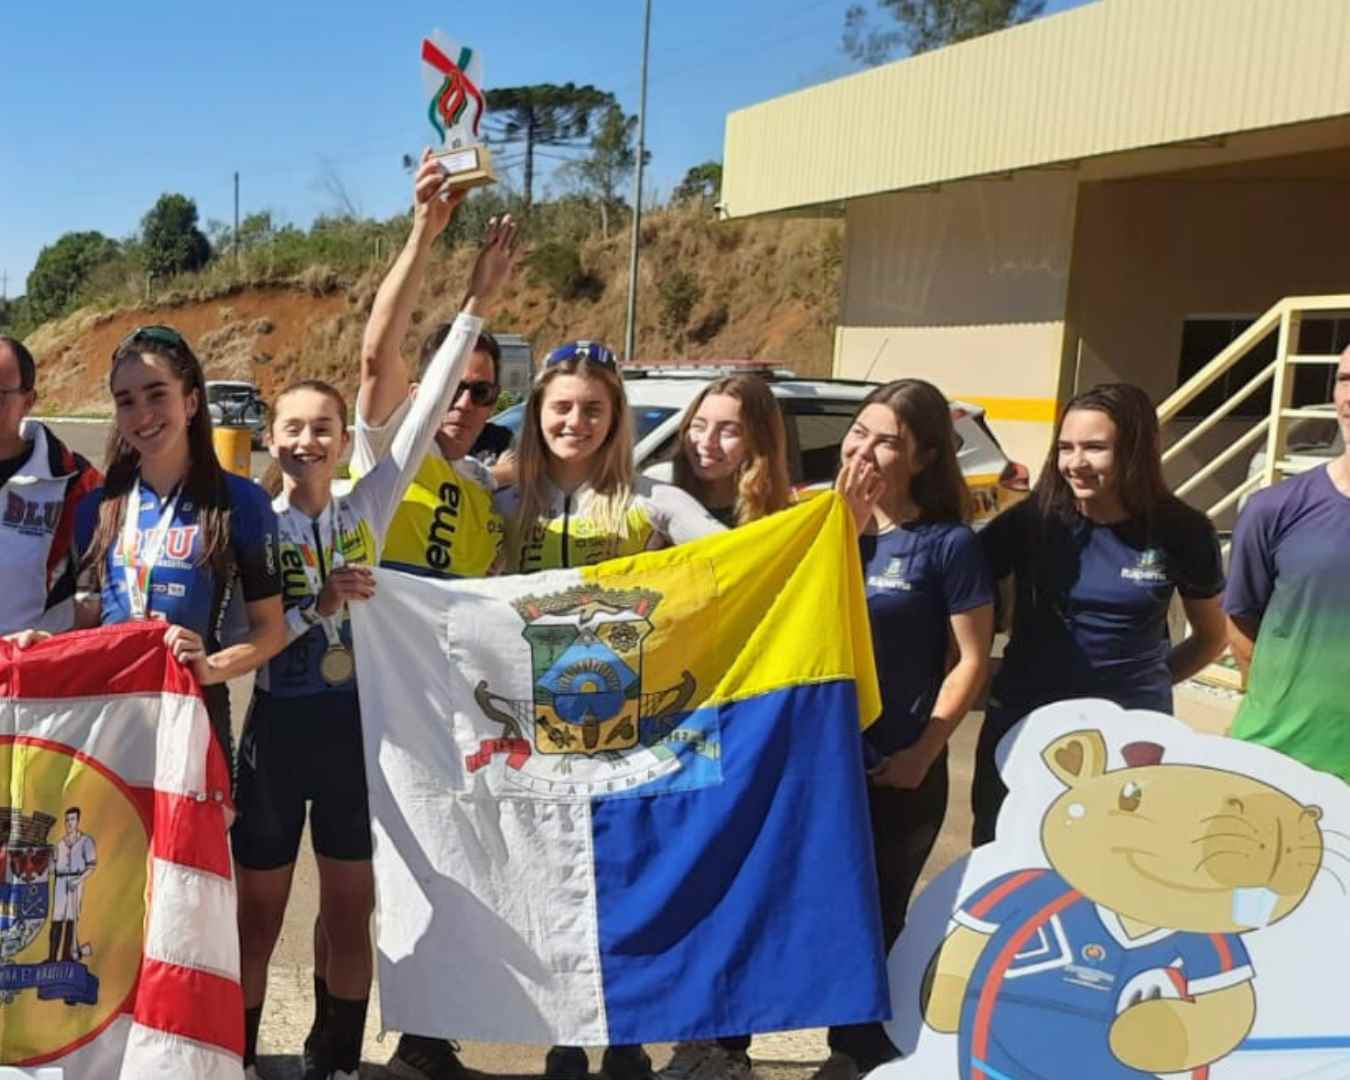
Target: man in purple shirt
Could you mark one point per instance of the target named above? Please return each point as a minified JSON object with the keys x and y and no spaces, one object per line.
{"x":1288,"y":605}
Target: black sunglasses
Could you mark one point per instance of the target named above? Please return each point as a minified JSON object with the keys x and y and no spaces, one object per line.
{"x":481,"y":391}
{"x":163,"y":335}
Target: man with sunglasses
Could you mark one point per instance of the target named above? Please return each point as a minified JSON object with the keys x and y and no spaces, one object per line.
{"x":41,"y":483}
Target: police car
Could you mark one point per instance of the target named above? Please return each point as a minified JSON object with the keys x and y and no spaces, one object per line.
{"x":817,"y":414}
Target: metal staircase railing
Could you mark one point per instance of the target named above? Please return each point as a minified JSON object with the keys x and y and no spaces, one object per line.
{"x":1285,"y":319}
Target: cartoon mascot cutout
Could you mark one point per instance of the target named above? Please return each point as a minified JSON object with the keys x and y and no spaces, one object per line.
{"x":1157,"y":903}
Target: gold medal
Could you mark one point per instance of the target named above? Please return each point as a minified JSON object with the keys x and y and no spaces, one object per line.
{"x":337,"y":665}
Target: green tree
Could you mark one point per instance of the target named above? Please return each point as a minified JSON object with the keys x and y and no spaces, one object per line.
{"x":545,"y":115}
{"x":603,"y":172}
{"x":171,"y":242}
{"x":929,"y":24}
{"x":702,"y":182}
{"x":61,"y":269}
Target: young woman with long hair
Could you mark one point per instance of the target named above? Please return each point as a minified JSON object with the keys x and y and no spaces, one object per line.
{"x":171,"y":535}
{"x":302,"y":745}
{"x":731,"y":452}
{"x":731,"y":455}
{"x":577,"y":502}
{"x":930,"y":602}
{"x":1096,"y":553}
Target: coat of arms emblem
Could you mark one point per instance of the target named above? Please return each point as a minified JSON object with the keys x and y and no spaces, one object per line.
{"x":586,"y":665}
{"x":34,"y":869}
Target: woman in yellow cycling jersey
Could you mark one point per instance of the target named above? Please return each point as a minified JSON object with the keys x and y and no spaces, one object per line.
{"x":577,"y":502}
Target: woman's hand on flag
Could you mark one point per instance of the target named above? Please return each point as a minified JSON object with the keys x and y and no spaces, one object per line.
{"x":345,"y":583}
{"x":22,"y":639}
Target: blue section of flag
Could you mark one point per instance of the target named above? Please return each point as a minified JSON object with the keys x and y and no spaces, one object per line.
{"x":717,"y":906}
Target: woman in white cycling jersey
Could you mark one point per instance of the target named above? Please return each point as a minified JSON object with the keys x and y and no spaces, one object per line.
{"x":302,"y":743}
{"x":577,"y":502}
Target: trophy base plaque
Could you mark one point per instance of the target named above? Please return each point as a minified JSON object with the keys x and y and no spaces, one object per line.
{"x":467,"y":167}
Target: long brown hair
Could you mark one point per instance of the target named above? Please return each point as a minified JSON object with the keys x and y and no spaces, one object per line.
{"x":272,"y":481}
{"x":1142,"y":488}
{"x":612,"y":466}
{"x":204,"y":484}
{"x":762,"y":479}
{"x":939,"y":489}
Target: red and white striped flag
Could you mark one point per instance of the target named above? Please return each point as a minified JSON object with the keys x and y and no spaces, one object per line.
{"x":118,"y":950}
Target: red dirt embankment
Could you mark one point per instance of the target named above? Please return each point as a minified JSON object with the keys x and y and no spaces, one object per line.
{"x":767,"y":290}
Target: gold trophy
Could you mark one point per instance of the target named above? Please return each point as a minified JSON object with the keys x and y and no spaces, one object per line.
{"x":456,"y":110}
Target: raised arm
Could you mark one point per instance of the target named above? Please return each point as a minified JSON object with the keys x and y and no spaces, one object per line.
{"x":384,"y":375}
{"x":385,"y":486}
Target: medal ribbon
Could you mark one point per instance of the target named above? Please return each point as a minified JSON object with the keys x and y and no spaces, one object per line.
{"x":452,"y":97}
{"x":139,"y":561}
{"x":313,"y":566}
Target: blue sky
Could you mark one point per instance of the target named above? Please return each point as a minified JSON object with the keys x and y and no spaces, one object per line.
{"x":103,"y":107}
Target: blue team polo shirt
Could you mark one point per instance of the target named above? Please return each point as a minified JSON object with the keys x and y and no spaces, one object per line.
{"x":917,"y":576}
{"x":184,"y":590}
{"x":1090,"y":614}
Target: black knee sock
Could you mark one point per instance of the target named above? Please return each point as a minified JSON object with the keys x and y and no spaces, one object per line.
{"x":252,"y":1021}
{"x":321,"y":1000}
{"x":344,"y":1030}
{"x":54,"y":941}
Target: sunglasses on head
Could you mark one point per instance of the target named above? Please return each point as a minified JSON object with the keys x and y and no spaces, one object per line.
{"x":591,"y":351}
{"x":160,"y":335}
{"x":481,"y":391}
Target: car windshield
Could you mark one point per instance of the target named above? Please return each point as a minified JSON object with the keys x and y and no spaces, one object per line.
{"x":227,"y":393}
{"x":646,"y":419}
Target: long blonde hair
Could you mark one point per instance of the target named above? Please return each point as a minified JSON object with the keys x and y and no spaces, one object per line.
{"x":762,"y":479}
{"x":611,"y":476}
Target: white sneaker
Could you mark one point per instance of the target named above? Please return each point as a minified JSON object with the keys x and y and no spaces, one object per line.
{"x":839,"y":1066}
{"x":692,"y":1060}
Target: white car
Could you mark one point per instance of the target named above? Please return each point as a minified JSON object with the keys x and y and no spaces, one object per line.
{"x":817,"y":413}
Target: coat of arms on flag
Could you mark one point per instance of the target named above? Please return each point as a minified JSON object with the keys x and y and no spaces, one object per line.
{"x":586,"y":658}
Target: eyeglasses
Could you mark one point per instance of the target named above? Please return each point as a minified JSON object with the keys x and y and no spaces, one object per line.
{"x":481,"y":391}
{"x":164,"y":335}
{"x":592,"y":351}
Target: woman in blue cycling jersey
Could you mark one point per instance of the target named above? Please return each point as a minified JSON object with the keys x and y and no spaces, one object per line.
{"x":171,"y":535}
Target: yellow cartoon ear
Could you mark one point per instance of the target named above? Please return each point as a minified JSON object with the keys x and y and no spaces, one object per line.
{"x":1078,"y":756}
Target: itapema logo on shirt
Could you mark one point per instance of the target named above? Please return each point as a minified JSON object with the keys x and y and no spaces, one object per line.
{"x":892,"y":579}
{"x":1150,"y":570}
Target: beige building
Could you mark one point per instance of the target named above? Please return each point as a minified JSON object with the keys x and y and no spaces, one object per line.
{"x":1112,"y":192}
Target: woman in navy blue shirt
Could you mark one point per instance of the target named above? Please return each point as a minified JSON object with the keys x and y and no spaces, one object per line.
{"x":1096,"y":553}
{"x":930,"y":602}
{"x":170,"y":535}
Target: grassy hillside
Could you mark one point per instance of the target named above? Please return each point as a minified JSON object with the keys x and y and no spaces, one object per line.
{"x":766,"y":290}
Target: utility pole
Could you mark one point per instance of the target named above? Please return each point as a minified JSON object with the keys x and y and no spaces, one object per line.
{"x":236,"y":221}
{"x":631,"y":331}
